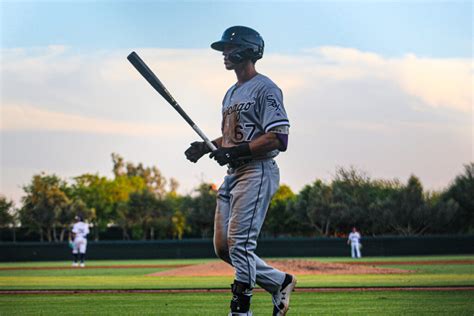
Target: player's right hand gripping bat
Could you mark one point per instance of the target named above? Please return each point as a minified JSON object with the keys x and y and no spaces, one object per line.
{"x":146,"y":72}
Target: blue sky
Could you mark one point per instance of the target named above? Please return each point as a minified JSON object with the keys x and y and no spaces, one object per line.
{"x":380,"y":85}
{"x":391,"y":28}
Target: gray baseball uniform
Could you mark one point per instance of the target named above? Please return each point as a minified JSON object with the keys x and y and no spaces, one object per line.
{"x":249,"y":111}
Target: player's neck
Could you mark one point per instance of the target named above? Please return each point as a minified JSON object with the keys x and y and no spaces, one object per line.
{"x":245,"y":72}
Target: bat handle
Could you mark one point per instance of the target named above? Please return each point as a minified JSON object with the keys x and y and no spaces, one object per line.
{"x":204,"y":137}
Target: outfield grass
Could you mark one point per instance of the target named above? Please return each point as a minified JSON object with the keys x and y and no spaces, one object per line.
{"x":304,"y":304}
{"x":92,"y":263}
{"x":137,"y":278}
{"x":307,"y":304}
{"x":147,"y":282}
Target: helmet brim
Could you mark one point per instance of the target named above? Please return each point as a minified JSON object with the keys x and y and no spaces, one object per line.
{"x":219,"y":45}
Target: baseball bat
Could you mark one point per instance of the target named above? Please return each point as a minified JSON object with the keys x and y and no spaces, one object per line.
{"x":152,"y":79}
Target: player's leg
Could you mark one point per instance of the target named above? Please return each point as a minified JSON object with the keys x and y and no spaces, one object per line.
{"x":221,"y":221}
{"x":241,"y":293}
{"x":358,"y":250}
{"x":75,"y":253}
{"x":251,"y":192}
{"x":352,"y":250}
{"x":82,"y":252}
{"x":274,"y":281}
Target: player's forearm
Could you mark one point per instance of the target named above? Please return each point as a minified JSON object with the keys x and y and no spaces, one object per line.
{"x":218,"y":141}
{"x":264,"y":144}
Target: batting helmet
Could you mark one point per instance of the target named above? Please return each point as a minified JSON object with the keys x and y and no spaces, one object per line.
{"x":249,"y":44}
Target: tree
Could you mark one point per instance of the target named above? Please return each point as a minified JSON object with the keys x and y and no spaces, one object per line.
{"x":353,"y":194}
{"x":143,"y":208}
{"x":409,"y":214}
{"x":200,"y":209}
{"x":104,"y":197}
{"x":152,"y":177}
{"x":443,"y":213}
{"x":379,"y":211}
{"x":461,"y":191}
{"x":7,"y":215}
{"x":280,"y":219}
{"x":178,"y":223}
{"x":316,"y":208}
{"x":66,"y":216}
{"x":95,"y":192}
{"x":45,"y":198}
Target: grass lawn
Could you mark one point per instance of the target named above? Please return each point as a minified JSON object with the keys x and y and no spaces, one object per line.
{"x":137,"y":278}
{"x":307,"y":304}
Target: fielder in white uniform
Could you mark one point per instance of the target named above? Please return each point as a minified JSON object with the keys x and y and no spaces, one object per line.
{"x":354,"y":241}
{"x":255,"y":129}
{"x":80,"y":230}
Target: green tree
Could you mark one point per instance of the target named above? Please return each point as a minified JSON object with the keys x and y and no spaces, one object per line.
{"x":409,"y":214}
{"x":316,"y":209}
{"x":143,"y":209}
{"x":152,"y":176}
{"x":105,"y":197}
{"x":199,"y":210}
{"x":7,"y":215}
{"x":65,"y":217}
{"x":352,"y":193}
{"x":378,"y":213}
{"x":45,"y":198}
{"x":95,"y":192}
{"x":280,"y":219}
{"x":461,"y":191}
{"x":443,"y":213}
{"x":178,"y":225}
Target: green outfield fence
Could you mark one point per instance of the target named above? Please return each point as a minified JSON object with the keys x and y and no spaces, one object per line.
{"x":277,"y":247}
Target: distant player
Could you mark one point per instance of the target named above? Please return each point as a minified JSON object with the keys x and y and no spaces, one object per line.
{"x":354,"y":241}
{"x":80,"y":230}
{"x":255,"y":129}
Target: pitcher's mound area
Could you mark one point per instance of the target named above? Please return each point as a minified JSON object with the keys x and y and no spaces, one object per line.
{"x":293,"y":266}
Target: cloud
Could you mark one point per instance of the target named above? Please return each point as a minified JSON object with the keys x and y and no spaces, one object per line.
{"x":437,"y":82}
{"x":390,"y":116}
{"x":28,"y":118}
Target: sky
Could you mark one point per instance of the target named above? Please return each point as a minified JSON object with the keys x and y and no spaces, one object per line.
{"x":383,"y":86}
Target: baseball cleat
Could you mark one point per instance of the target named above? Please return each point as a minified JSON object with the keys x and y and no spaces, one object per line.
{"x":75,"y":264}
{"x":281,"y":299}
{"x":82,"y":265}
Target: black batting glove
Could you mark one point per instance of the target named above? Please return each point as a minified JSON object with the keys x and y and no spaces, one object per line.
{"x":228,"y":155}
{"x":196,"y":151}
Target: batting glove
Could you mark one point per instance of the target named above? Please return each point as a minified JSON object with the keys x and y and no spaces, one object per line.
{"x":226,"y":155}
{"x":196,"y":151}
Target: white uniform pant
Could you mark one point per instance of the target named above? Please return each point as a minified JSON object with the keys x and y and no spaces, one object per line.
{"x":355,"y":250}
{"x":242,"y":203}
{"x":80,"y":245}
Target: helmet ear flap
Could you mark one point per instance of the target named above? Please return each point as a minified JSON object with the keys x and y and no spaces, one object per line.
{"x":242,"y":54}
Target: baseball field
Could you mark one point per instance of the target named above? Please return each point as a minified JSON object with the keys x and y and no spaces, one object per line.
{"x":429,"y":285}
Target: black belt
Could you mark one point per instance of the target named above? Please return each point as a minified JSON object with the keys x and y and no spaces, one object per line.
{"x":239,"y":163}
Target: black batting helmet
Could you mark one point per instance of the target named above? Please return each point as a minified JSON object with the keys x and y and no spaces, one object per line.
{"x":250,"y":44}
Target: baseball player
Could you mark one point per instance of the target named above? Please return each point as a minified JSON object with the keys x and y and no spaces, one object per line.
{"x":254,"y":129}
{"x":79,"y":246}
{"x":354,"y":241}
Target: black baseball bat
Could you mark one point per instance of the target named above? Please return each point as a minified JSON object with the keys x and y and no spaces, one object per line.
{"x":152,"y":79}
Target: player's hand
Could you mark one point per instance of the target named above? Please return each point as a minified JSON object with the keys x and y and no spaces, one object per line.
{"x":226,"y":155}
{"x":196,"y":151}
{"x":223,"y":155}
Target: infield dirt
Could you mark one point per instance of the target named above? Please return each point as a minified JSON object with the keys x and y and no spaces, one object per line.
{"x":293,"y":266}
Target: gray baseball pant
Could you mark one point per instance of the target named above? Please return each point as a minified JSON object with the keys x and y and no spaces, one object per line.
{"x":242,"y":203}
